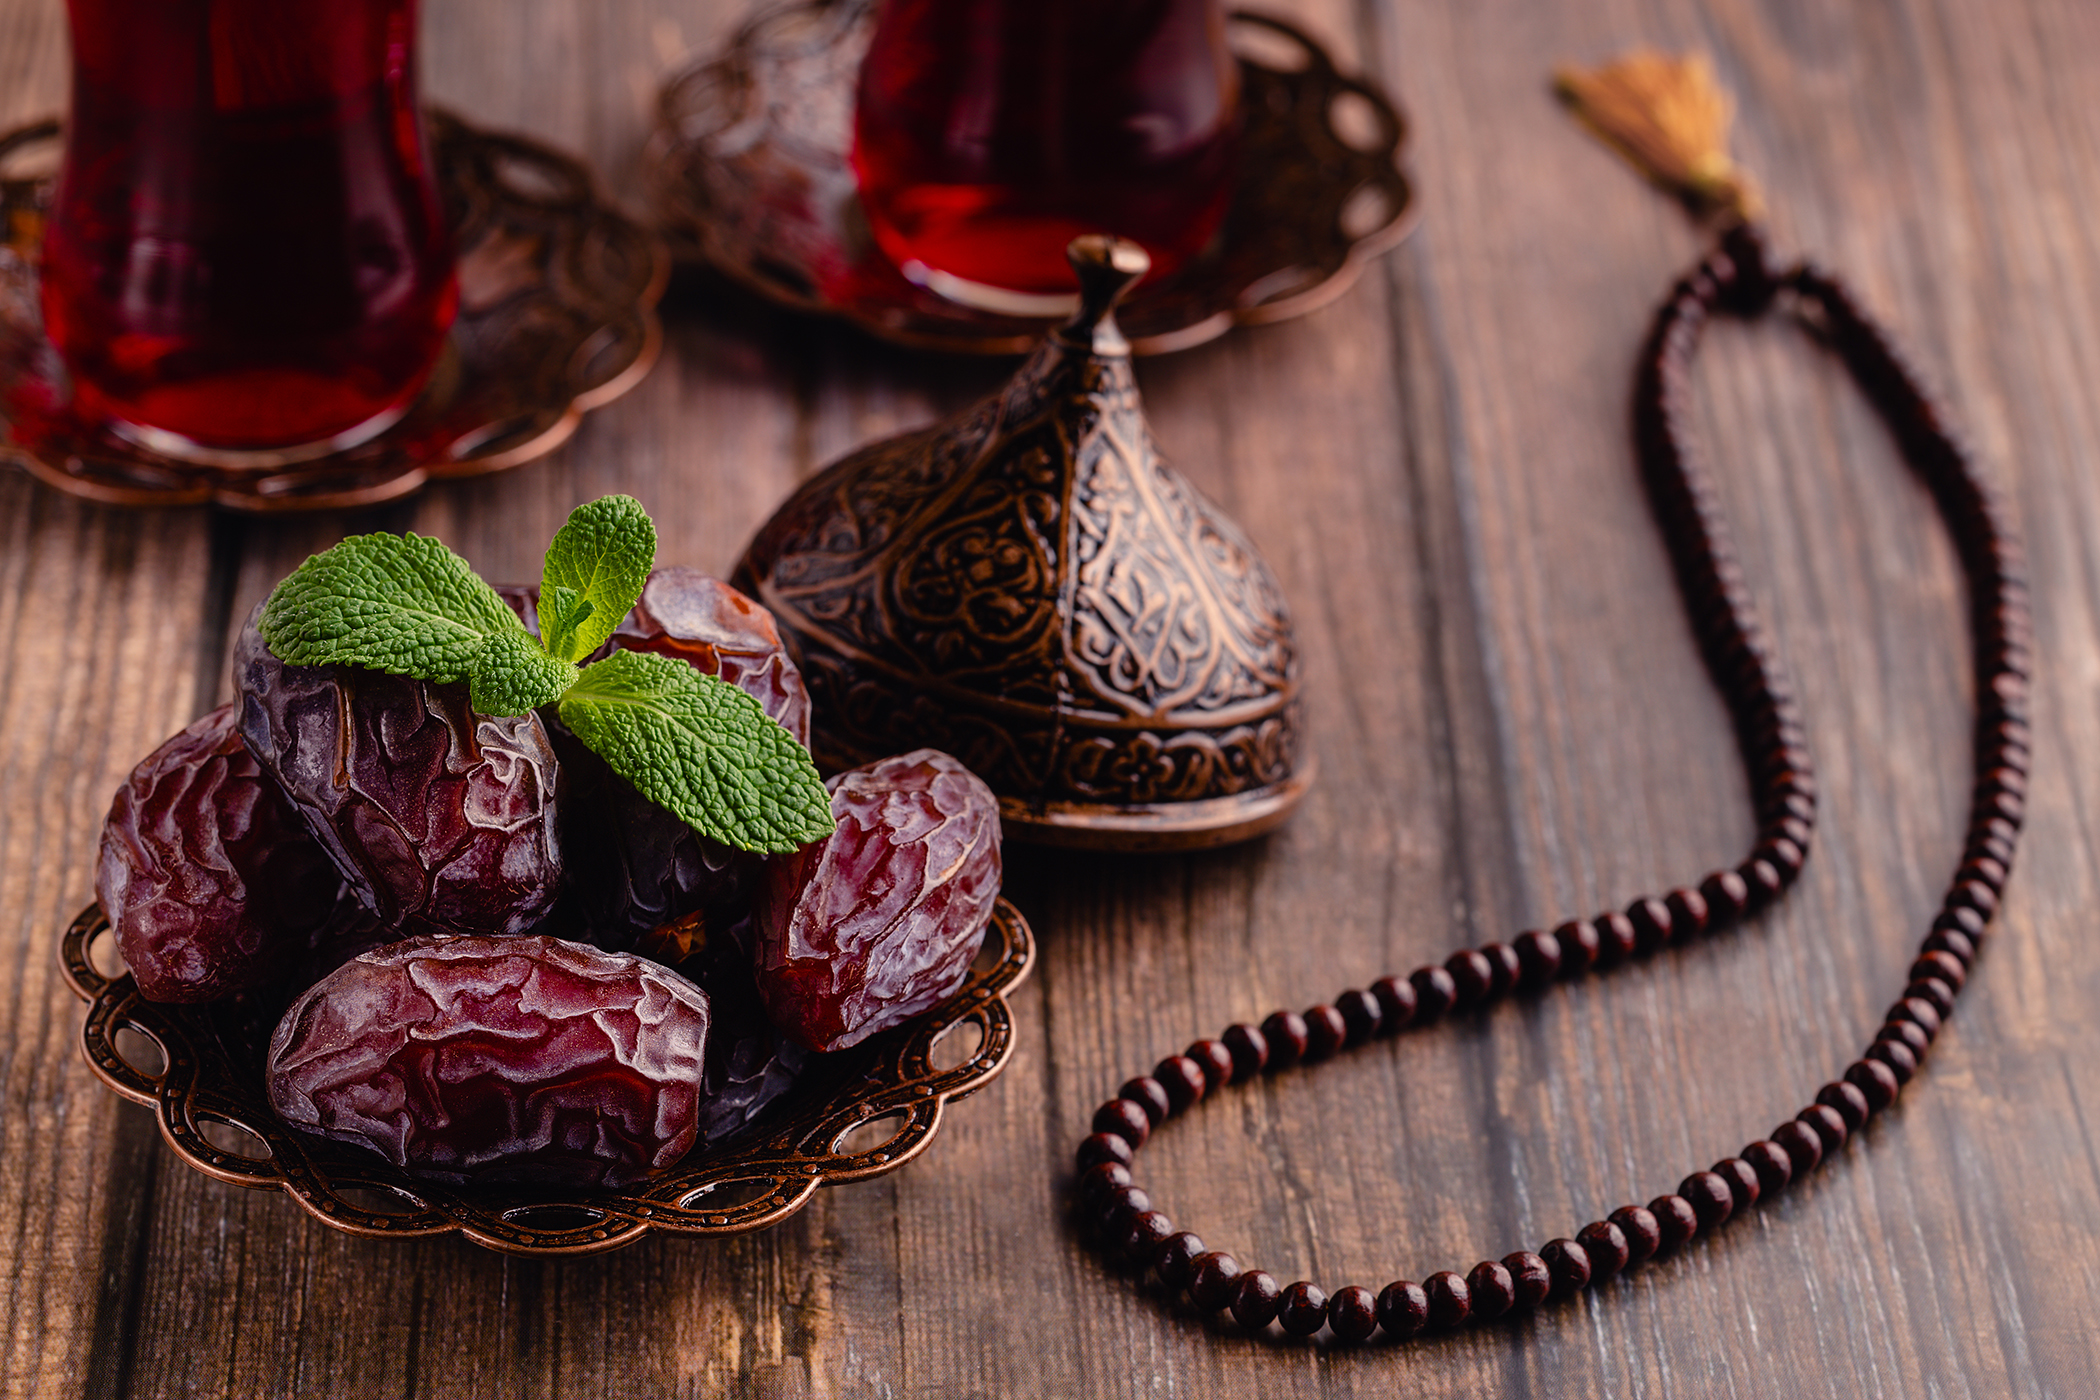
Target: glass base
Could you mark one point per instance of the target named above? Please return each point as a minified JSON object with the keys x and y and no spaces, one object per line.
{"x":982,"y":296}
{"x":184,"y":449}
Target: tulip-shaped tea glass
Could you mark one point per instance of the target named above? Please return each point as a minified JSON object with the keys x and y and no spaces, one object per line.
{"x":246,"y":262}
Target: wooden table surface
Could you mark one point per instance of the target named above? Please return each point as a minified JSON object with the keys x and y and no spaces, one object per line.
{"x":1512,"y":727}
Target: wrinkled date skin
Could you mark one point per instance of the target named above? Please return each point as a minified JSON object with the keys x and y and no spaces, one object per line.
{"x":498,"y":1059}
{"x":881,"y":920}
{"x":635,"y":866}
{"x":209,"y":878}
{"x":442,"y":820}
{"x":749,"y":1062}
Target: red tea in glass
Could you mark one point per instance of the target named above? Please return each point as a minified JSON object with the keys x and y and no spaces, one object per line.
{"x":989,"y":133}
{"x":246,"y":254}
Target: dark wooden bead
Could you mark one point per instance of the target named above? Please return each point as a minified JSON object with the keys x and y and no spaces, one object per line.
{"x":1874,"y":1080}
{"x":1472,"y":978}
{"x":1216,"y":1059}
{"x":1502,"y":964}
{"x":1688,"y":914}
{"x":1727,"y":897}
{"x":1846,"y":1098}
{"x":1352,"y":1314}
{"x":1119,"y":1205}
{"x":1098,"y":1182}
{"x":1984,"y":871}
{"x":1125,"y":1119}
{"x":1304,"y":1309}
{"x":1259,"y":1299}
{"x":1920,"y":1013}
{"x":1214,"y":1281}
{"x":1538,"y":959}
{"x":1433,"y":992}
{"x":1175,"y":1259}
{"x":1952,"y":942}
{"x":1744,"y":1187}
{"x":1828,"y":1124}
{"x":1578,"y":947}
{"x":1796,"y":828}
{"x":1763,"y":880}
{"x":1773,"y":1164}
{"x":1140,"y":1236}
{"x":1897,"y":1056}
{"x":1786,"y":857}
{"x":1325,"y":1032}
{"x":1361,"y":1016}
{"x":1675,"y":1222}
{"x":1974,"y":893}
{"x":1933,"y":990}
{"x":1396,"y":1000}
{"x":1250,"y":1050}
{"x":1183,"y":1079}
{"x":1568,"y":1265}
{"x":1403,"y":1309}
{"x":1616,"y":939}
{"x":1802,"y":1144}
{"x":1651,"y":924}
{"x":1605,"y":1244}
{"x":1712,"y":1200}
{"x":1997,"y":838}
{"x":1149,"y":1094}
{"x":1912,"y":1037}
{"x":1104,"y":1147}
{"x":1962,"y":920}
{"x":1286,"y":1036}
{"x":2002,"y":806}
{"x":1529,"y":1279}
{"x":1637,"y":1224}
{"x":1449,"y":1302}
{"x":1490,"y":1290}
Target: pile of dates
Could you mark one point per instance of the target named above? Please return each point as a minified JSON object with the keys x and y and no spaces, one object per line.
{"x":487,"y":956}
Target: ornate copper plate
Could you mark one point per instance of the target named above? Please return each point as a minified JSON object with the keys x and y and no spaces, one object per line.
{"x":749,"y":170}
{"x":208,"y":1095}
{"x":557,"y":316}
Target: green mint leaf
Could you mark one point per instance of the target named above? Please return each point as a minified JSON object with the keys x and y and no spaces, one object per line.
{"x":700,"y":748}
{"x":561,"y":609}
{"x":511,"y":675}
{"x":601,"y":557}
{"x":398,"y":603}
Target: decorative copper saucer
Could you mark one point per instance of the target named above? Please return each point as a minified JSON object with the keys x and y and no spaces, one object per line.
{"x":749,"y":171}
{"x":557,"y":316}
{"x":208,"y":1096}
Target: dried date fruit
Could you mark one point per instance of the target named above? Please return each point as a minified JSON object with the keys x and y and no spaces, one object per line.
{"x":498,"y":1059}
{"x":717,"y":630}
{"x":881,"y":920}
{"x":749,"y":1062}
{"x":442,"y":820}
{"x":210,"y":880}
{"x":635,"y":866}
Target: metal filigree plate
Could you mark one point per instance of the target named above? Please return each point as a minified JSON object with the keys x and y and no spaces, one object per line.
{"x":749,"y":170}
{"x":557,"y":316}
{"x":209,"y":1092}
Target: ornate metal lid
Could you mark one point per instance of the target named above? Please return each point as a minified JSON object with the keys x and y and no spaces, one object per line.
{"x":1031,"y":588}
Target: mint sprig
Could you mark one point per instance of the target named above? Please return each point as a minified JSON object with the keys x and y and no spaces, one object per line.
{"x":692,"y":743}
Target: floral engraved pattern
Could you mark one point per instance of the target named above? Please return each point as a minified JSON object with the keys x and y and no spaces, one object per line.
{"x":1030,"y":588}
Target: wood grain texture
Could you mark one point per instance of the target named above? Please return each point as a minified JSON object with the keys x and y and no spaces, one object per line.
{"x":1512,"y":725}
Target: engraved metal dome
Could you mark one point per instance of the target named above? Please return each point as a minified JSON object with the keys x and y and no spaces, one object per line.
{"x":1029,"y":587}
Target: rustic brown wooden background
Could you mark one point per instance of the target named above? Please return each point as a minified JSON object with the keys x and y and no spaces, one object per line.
{"x":1512,"y":727}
